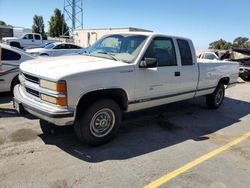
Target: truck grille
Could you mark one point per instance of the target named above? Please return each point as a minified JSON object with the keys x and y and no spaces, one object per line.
{"x":31,"y":87}
{"x":34,"y":80}
{"x":32,"y":92}
{"x":31,"y":78}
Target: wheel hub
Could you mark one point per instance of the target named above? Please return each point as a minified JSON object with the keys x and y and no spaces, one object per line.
{"x":102,"y":122}
{"x":219,"y":96}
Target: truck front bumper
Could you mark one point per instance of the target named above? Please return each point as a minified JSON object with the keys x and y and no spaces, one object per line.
{"x":55,"y":115}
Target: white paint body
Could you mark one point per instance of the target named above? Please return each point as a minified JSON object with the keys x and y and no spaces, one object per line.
{"x":84,"y":74}
{"x":9,"y":69}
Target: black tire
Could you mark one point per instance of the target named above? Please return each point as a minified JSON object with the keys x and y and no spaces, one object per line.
{"x":215,"y":99}
{"x":15,"y":44}
{"x":14,"y":82}
{"x":245,"y":77}
{"x":103,"y":114}
{"x":44,"y":55}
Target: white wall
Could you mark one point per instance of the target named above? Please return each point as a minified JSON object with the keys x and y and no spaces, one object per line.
{"x":86,"y":37}
{"x":19,"y":31}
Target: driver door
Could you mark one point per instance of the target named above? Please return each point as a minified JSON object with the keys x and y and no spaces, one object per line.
{"x":155,"y":84}
{"x":27,"y":41}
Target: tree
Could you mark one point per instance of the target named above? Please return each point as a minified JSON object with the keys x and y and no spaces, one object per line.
{"x":38,"y":25}
{"x":220,"y":45}
{"x":57,"y":25}
{"x":2,"y":22}
{"x":241,"y":42}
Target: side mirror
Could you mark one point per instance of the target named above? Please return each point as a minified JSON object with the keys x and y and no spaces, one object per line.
{"x":149,"y":63}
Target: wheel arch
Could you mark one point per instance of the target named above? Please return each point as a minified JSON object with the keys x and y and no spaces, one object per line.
{"x":13,"y":82}
{"x":117,"y":94}
{"x":225,"y":80}
{"x":44,"y":54}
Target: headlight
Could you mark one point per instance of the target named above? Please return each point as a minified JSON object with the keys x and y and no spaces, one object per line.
{"x":62,"y":101}
{"x":59,"y":86}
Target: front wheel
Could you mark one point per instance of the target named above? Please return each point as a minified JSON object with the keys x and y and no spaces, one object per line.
{"x":15,"y":44}
{"x":215,"y":99}
{"x":99,"y":123}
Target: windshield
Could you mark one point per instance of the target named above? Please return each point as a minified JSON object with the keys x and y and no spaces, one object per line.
{"x":46,"y":44}
{"x":123,"y":47}
{"x":49,"y":46}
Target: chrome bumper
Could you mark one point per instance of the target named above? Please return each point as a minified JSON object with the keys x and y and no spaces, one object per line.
{"x":55,"y":115}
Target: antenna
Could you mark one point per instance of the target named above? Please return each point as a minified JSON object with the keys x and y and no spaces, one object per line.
{"x":73,"y":15}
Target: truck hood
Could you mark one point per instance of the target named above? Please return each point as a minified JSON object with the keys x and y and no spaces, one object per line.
{"x":56,"y":68}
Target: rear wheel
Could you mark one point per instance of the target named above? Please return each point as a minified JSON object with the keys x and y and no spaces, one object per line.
{"x":215,"y":99}
{"x":99,"y":123}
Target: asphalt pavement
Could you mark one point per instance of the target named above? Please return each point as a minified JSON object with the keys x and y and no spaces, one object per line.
{"x":162,"y":144}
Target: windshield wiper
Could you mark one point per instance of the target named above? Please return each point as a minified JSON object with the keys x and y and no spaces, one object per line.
{"x":110,"y":55}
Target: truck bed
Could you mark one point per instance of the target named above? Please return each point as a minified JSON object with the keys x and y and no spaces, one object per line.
{"x":210,"y":71}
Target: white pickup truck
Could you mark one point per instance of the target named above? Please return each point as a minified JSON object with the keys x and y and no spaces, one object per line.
{"x":120,"y":73}
{"x":29,"y":40}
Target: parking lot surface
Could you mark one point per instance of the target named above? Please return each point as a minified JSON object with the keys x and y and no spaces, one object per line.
{"x":150,"y":144}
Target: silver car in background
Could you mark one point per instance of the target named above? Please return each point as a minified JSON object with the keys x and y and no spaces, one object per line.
{"x":56,"y":49}
{"x":10,"y":59}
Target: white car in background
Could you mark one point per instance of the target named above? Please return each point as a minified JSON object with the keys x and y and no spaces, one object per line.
{"x":209,"y":56}
{"x":10,"y":59}
{"x":56,"y":49}
{"x":28,"y":40}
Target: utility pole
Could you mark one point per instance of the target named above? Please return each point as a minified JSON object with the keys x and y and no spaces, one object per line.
{"x":73,"y":15}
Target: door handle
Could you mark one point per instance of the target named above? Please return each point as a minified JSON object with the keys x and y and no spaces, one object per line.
{"x":177,"y":73}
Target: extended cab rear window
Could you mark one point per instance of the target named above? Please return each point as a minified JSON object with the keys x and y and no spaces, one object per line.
{"x":185,"y":52}
{"x":37,"y":37}
{"x":8,"y":55}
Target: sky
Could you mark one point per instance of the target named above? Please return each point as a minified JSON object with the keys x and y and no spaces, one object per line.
{"x":203,"y":21}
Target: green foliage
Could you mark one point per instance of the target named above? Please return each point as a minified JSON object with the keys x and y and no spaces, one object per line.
{"x":57,"y":24}
{"x":220,"y":45}
{"x":38,"y":25}
{"x":2,"y":22}
{"x":239,"y":42}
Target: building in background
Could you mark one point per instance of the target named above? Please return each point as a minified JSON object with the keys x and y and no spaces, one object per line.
{"x":86,"y":37}
{"x":20,"y":31}
{"x":10,"y":31}
{"x":6,"y":31}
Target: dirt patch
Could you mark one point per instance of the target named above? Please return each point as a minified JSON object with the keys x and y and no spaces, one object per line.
{"x":167,"y":125}
{"x":2,"y":139}
{"x":219,"y":139}
{"x":242,"y":152}
{"x":22,"y":135}
{"x":59,"y":184}
{"x":2,"y":136}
